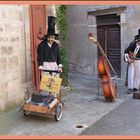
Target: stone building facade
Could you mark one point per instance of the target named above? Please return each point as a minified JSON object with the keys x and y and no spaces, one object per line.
{"x":15,"y":44}
{"x":15,"y":60}
{"x":82,"y":19}
{"x":15,"y":54}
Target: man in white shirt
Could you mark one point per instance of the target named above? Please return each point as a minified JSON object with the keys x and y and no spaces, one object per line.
{"x":132,"y":56}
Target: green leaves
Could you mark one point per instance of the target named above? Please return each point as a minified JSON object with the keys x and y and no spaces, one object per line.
{"x":62,"y":27}
{"x":61,"y":21}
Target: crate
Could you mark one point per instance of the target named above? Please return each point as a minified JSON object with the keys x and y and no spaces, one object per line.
{"x":136,"y":95}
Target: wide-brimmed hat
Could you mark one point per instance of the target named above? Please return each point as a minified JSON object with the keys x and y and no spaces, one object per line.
{"x":51,"y":28}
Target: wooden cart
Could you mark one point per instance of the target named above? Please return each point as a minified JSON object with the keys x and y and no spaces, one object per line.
{"x":55,"y":107}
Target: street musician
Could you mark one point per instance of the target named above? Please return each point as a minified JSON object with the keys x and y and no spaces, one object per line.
{"x":132,"y":56}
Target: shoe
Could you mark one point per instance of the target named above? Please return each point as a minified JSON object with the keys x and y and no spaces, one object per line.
{"x":134,"y":89}
{"x":130,"y":91}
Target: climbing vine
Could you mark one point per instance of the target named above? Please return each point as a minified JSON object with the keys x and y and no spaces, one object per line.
{"x":62,"y":27}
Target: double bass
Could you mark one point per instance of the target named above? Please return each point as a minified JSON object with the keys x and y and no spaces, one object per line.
{"x":108,"y":87}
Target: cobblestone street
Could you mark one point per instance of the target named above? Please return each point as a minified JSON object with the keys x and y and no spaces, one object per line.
{"x":81,"y":108}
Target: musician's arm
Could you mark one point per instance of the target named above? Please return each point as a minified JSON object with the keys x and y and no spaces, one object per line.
{"x":127,"y":52}
{"x":127,"y":58}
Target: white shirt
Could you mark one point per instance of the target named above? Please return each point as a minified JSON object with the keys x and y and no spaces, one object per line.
{"x":50,"y":45}
{"x":137,"y":48}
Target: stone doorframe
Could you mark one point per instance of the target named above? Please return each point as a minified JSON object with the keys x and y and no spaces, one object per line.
{"x":92,"y":26}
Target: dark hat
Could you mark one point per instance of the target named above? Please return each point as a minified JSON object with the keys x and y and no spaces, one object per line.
{"x":138,"y":31}
{"x":51,"y":28}
{"x":137,"y":37}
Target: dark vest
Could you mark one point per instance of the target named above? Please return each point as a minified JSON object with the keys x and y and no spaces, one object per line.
{"x":131,"y":48}
{"x":48,"y":54}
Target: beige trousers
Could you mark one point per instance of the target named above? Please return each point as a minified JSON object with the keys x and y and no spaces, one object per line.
{"x":134,"y":75}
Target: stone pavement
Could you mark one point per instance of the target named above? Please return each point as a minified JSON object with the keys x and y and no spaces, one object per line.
{"x":81,"y":110}
{"x":123,"y":120}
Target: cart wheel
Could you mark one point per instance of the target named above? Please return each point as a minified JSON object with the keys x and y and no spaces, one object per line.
{"x":26,"y":113}
{"x":58,"y":112}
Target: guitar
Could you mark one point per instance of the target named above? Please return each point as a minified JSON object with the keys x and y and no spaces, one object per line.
{"x":131,"y":57}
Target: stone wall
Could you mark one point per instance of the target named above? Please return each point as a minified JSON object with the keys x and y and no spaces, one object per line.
{"x":15,"y":59}
{"x":82,"y":53}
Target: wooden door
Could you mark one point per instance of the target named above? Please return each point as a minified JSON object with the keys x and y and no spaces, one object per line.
{"x":108,"y":35}
{"x":37,"y":26}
